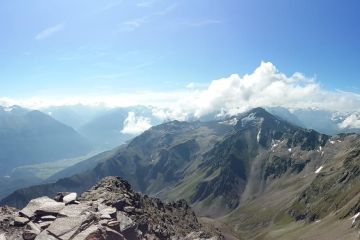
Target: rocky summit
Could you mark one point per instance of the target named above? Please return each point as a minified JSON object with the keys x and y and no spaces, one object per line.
{"x":109,"y":210}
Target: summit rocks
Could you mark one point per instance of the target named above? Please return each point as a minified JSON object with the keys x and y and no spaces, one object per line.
{"x":109,"y":210}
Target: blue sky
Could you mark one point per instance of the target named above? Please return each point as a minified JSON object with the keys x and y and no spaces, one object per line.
{"x":87,"y":47}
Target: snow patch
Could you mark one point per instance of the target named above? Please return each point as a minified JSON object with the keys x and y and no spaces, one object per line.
{"x":231,"y":122}
{"x":274,"y":144}
{"x":258,"y":136}
{"x":319,"y":169}
{"x":251,"y":117}
{"x":290,"y":150}
{"x":332,"y":142}
{"x":354,"y":218}
{"x":8,"y":109}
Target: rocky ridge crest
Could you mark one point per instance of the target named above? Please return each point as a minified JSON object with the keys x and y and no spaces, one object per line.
{"x":109,"y":210}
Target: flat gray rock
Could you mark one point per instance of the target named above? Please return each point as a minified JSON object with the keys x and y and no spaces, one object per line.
{"x":62,"y":226}
{"x":92,"y":232}
{"x":42,"y":205}
{"x":45,"y":235}
{"x":74,"y":210}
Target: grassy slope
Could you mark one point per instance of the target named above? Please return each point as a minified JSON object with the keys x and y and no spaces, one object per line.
{"x":267,"y":216}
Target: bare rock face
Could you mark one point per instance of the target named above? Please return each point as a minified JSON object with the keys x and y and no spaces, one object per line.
{"x":109,"y":210}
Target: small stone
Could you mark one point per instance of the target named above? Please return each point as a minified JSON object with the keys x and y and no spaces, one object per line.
{"x":44,"y":225}
{"x":60,"y":195}
{"x":70,"y":198}
{"x":110,"y":211}
{"x":2,"y":236}
{"x":33,"y":227}
{"x":129,"y":209}
{"x":20,"y":221}
{"x":113,"y":224}
{"x":29,"y":235}
{"x":48,"y":218}
{"x":105,"y":216}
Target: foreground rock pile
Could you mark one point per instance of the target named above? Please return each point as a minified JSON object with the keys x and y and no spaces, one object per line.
{"x":109,"y":210}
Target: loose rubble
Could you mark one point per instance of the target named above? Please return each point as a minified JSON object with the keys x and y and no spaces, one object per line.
{"x":109,"y":210}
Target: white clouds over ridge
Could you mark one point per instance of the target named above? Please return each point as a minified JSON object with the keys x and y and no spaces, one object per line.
{"x":134,"y":125}
{"x":266,"y":87}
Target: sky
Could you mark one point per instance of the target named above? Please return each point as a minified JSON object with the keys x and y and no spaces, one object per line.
{"x":159,"y":51}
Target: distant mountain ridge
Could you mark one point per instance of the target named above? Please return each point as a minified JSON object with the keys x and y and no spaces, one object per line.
{"x":28,"y":137}
{"x":255,"y":172}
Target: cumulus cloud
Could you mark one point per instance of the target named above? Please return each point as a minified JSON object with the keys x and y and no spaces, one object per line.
{"x":351,"y":121}
{"x":47,"y":32}
{"x":134,"y":125}
{"x":266,"y":87}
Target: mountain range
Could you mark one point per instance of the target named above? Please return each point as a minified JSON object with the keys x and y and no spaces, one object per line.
{"x":255,"y":173}
{"x":28,"y":137}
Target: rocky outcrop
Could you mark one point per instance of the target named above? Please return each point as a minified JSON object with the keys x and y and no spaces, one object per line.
{"x":109,"y":210}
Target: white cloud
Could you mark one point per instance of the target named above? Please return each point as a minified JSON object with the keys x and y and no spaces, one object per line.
{"x":50,"y":31}
{"x":134,"y":125}
{"x":352,"y":121}
{"x":266,"y":87}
